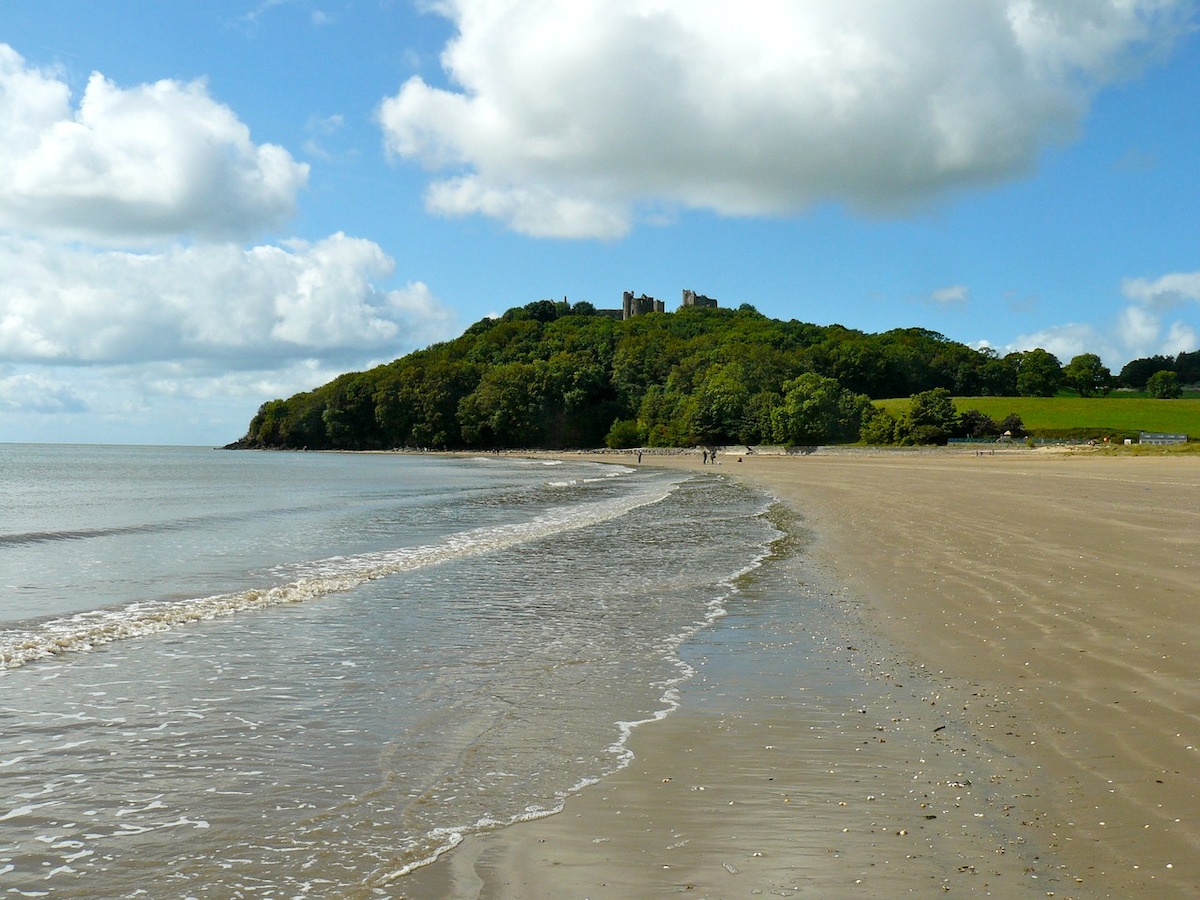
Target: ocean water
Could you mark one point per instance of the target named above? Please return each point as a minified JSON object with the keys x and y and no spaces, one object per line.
{"x":230,"y":674}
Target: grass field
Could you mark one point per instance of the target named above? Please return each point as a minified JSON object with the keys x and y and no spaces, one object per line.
{"x":1114,"y":416}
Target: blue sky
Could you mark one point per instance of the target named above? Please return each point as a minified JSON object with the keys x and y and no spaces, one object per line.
{"x":205,"y":205}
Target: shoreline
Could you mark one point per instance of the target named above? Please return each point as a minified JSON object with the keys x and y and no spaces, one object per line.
{"x":1040,"y":610}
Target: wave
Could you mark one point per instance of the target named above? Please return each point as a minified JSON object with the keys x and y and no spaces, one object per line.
{"x":441,"y":840}
{"x":76,"y":534}
{"x":24,"y":538}
{"x":88,"y":630}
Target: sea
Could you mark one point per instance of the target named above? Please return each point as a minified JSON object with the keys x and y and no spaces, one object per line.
{"x":303,"y":675}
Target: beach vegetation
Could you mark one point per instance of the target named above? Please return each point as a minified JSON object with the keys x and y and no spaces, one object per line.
{"x":879,"y":427}
{"x":624,"y":434}
{"x":977,"y":425}
{"x":931,"y":418}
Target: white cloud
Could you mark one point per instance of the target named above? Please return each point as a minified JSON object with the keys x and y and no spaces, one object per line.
{"x":1165,"y":292}
{"x":169,"y":402}
{"x":1068,"y":341}
{"x":954,"y":295}
{"x":1140,"y":329}
{"x":38,"y":393}
{"x":143,"y":163}
{"x":248,"y":308}
{"x":1180,"y":338}
{"x":131,"y":307}
{"x":568,"y":116}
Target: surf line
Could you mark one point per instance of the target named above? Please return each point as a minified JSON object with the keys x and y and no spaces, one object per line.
{"x":89,"y":630}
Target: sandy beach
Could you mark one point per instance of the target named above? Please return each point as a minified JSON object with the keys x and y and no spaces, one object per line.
{"x":1001,"y":698}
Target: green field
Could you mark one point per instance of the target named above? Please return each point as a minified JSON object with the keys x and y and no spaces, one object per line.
{"x":1079,"y":417}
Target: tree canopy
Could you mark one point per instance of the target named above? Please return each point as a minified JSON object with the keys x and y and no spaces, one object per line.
{"x":554,"y":375}
{"x":1163,"y":385}
{"x":1137,"y":372}
{"x":1087,"y":375}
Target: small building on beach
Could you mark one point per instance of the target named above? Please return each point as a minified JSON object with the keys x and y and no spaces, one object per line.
{"x":1158,"y":437}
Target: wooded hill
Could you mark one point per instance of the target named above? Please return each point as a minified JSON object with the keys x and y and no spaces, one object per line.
{"x":553,"y":375}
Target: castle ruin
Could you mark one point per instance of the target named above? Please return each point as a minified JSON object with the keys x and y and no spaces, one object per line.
{"x":691,"y":298}
{"x":638,"y":306}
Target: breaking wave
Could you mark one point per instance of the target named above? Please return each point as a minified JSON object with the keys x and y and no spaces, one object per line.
{"x":87,"y":630}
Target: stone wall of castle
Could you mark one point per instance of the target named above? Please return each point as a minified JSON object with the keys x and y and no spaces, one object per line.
{"x":638,"y":306}
{"x":691,"y":298}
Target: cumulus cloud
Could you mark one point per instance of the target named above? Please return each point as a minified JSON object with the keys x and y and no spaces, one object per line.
{"x":1180,"y":338}
{"x":133,"y":299}
{"x":142,"y":163}
{"x":1136,"y":333}
{"x":1165,"y":292}
{"x":1068,"y":341}
{"x":565,"y":117}
{"x":1141,"y":329}
{"x":248,"y":308}
{"x":181,"y":346}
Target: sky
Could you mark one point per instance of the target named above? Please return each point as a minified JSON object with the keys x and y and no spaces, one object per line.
{"x":208,"y":205}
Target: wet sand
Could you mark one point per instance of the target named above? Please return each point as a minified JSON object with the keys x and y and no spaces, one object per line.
{"x":1007,"y":701}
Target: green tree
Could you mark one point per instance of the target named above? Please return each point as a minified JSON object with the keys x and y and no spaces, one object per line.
{"x":579,"y":400}
{"x":879,"y":427}
{"x":640,"y":361}
{"x":665,"y":417}
{"x":930,"y":418}
{"x":1039,"y":373}
{"x":722,"y":398}
{"x":974,"y":424}
{"x":266,"y":427}
{"x":1164,"y":385}
{"x":349,"y":415}
{"x":506,"y":409}
{"x":623,"y":435}
{"x":1013,"y":426}
{"x":757,"y":425}
{"x":1087,"y":375}
{"x":1137,"y":372}
{"x":818,"y":410}
{"x":1187,"y":367}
